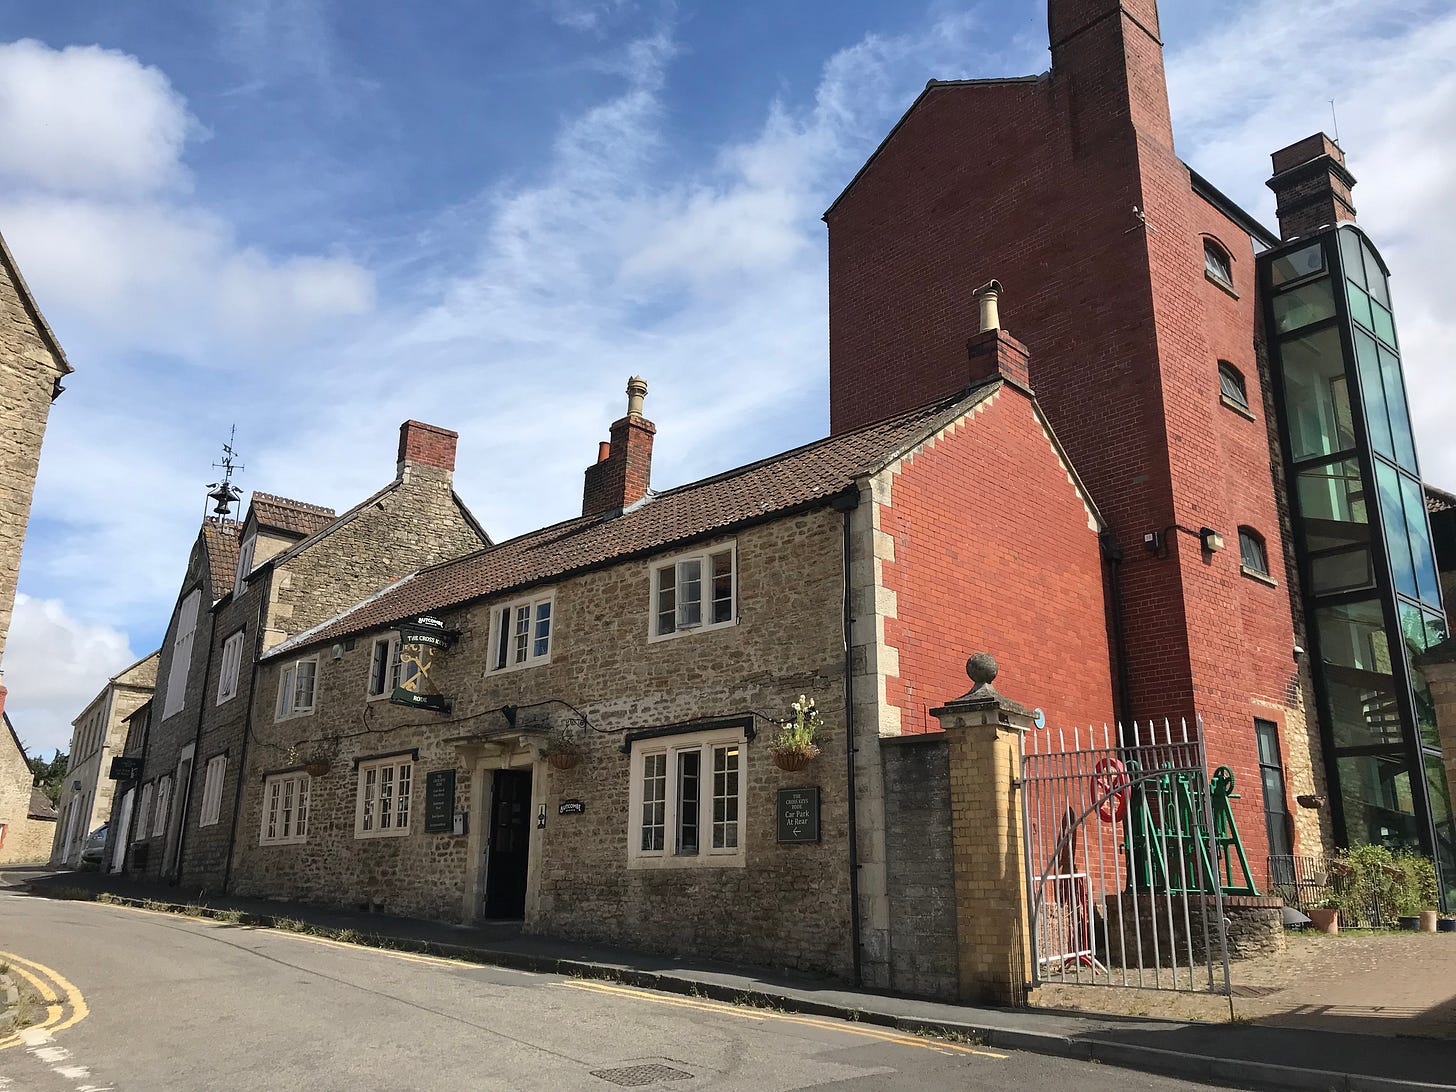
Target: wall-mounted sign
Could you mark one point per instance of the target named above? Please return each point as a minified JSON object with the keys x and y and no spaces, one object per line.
{"x":798,"y":815}
{"x":125,"y":769}
{"x":439,"y":801}
{"x":419,"y":640}
{"x":570,"y":807}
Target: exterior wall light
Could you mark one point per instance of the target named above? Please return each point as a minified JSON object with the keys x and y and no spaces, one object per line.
{"x":1211,"y":539}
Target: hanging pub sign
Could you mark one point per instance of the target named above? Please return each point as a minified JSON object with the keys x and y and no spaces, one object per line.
{"x":420,"y":640}
{"x":125,"y":769}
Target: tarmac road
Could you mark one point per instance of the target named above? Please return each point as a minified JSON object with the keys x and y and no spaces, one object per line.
{"x":146,"y":1002}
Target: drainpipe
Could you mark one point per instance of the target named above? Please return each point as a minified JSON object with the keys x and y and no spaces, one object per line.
{"x":846,"y":503}
{"x":1112,"y":555}
{"x":186,"y":794}
{"x":267,"y":592}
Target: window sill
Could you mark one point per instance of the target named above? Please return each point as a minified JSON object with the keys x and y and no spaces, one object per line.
{"x":292,"y":716}
{"x":1262,"y":578}
{"x":709,"y":860}
{"x":1242,"y":411}
{"x":282,"y":841}
{"x":1220,"y":283}
{"x":653,"y":638}
{"x":396,"y":832}
{"x":526,"y":665}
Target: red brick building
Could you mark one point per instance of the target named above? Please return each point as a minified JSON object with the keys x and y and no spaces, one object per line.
{"x":1135,"y":284}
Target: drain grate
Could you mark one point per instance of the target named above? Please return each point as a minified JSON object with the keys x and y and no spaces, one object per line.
{"x":637,"y":1076}
{"x":1254,"y":991}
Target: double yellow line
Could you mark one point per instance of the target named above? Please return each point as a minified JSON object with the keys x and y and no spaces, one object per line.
{"x":65,"y":1007}
{"x":884,"y":1035}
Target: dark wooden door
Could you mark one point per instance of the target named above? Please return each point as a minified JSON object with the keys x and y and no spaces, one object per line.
{"x":510,"y":840}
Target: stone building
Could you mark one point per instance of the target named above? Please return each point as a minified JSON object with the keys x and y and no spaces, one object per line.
{"x":1233,"y":398}
{"x":285,"y":568}
{"x":32,"y":365}
{"x":660,"y":637}
{"x":98,"y":735}
{"x":27,"y":817}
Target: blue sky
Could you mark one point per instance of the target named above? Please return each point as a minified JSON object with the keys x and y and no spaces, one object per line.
{"x":318,"y":219}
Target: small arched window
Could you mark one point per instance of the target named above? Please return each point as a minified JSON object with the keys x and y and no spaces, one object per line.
{"x":1252,"y":555}
{"x":1231,"y":388}
{"x":1216,"y":264}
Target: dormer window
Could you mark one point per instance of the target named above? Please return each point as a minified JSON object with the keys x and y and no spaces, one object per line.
{"x":1217,"y":266}
{"x":1231,"y":389}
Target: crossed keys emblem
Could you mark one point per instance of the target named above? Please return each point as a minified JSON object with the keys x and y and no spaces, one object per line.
{"x":415,"y":662}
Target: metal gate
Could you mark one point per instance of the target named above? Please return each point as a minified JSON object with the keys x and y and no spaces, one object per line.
{"x":1127,"y":859}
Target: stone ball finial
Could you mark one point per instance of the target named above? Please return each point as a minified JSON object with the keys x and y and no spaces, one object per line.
{"x":981,"y":668}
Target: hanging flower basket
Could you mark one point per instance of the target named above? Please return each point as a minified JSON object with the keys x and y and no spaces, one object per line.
{"x":563,"y":760}
{"x":316,"y":767}
{"x":793,"y":760}
{"x":797,"y":742}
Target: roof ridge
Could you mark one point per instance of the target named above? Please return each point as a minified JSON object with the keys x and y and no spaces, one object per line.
{"x":276,"y":499}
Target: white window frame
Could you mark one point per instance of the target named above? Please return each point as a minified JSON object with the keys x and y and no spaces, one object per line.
{"x":705,"y":744}
{"x":212,"y":781}
{"x":142,"y":828}
{"x":680,"y":565}
{"x":283,"y":793}
{"x":373,"y":775}
{"x":245,"y":564}
{"x":504,"y":646}
{"x":394,"y":675}
{"x":232,"y":662}
{"x":164,"y":805}
{"x":287,"y":705}
{"x":181,"y":665}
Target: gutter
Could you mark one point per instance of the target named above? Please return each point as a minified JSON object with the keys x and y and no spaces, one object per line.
{"x":846,"y":503}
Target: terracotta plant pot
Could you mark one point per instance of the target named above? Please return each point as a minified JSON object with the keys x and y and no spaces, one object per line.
{"x":563,"y":760}
{"x":1428,"y":921}
{"x":792,"y":760}
{"x":1326,"y":921}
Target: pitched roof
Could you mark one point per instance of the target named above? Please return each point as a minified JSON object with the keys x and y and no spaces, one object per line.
{"x":222,"y":554}
{"x":290,"y":516}
{"x":1438,"y":500}
{"x":27,"y":299}
{"x":143,"y":673}
{"x":40,"y":804}
{"x":809,"y":476}
{"x":15,"y":736}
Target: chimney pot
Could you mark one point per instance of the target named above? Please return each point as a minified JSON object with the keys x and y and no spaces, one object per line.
{"x":604,"y":451}
{"x":989,"y":295}
{"x":636,"y":392}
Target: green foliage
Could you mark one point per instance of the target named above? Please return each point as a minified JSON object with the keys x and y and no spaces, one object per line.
{"x":50,"y":776}
{"x":1370,"y":880}
{"x":800,"y":734}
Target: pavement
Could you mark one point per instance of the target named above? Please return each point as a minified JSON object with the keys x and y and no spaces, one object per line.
{"x":1235,"y":1054}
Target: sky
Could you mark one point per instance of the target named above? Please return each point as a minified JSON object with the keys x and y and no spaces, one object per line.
{"x":315,"y":219}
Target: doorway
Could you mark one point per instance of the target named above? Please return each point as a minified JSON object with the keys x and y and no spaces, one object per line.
{"x":121,"y":835}
{"x":508,"y":845}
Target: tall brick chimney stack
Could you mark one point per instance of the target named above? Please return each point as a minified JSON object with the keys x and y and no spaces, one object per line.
{"x":1311,"y":187}
{"x":992,"y":351}
{"x":425,"y":445}
{"x":623,"y":471}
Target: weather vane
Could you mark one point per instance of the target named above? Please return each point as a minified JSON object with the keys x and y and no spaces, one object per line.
{"x":225,"y":493}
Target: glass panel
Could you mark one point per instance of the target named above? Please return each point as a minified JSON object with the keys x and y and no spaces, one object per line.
{"x":1384,"y":324}
{"x":689,"y":799}
{"x":1359,"y":305}
{"x":1393,"y":382}
{"x":1298,"y":264}
{"x":1251,"y":552}
{"x":1397,"y":540}
{"x":1379,"y":808}
{"x":1355,"y":652}
{"x":1216,"y":263}
{"x":522,"y":637}
{"x":1231,"y":386}
{"x":1332,"y":505}
{"x":1439,"y":792}
{"x":1317,"y":399}
{"x":1374,"y":276}
{"x":541,"y":644}
{"x":1418,"y":531}
{"x":1350,"y":257}
{"x":725,"y":797}
{"x":402,"y":798}
{"x":654,"y":801}
{"x":723,"y":586}
{"x":386,"y":797}
{"x":371,"y":778}
{"x":667,"y":599}
{"x":503,"y":639}
{"x":1422,"y":629}
{"x":1372,"y":386}
{"x":1340,"y":572}
{"x":690,"y":593}
{"x":1267,"y":735}
{"x":1298,"y":307}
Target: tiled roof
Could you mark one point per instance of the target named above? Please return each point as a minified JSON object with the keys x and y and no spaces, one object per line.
{"x":291,"y":516}
{"x":802,"y":477}
{"x":1438,"y":500}
{"x":40,"y":804}
{"x":222,"y":554}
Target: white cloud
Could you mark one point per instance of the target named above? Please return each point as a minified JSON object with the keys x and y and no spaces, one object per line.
{"x":54,"y":666}
{"x":1395,"y":92}
{"x":86,"y":119}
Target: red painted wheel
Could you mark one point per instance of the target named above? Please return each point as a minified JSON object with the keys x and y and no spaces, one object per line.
{"x":1109,"y":785}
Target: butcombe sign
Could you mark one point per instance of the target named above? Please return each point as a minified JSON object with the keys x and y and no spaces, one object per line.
{"x":421,"y":639}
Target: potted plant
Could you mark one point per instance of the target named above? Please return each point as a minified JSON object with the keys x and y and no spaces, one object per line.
{"x":561,"y":751}
{"x":1326,"y":915}
{"x":315,"y":756}
{"x":797,"y":741}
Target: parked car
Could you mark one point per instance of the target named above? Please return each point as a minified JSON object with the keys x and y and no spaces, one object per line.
{"x":95,"y":848}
